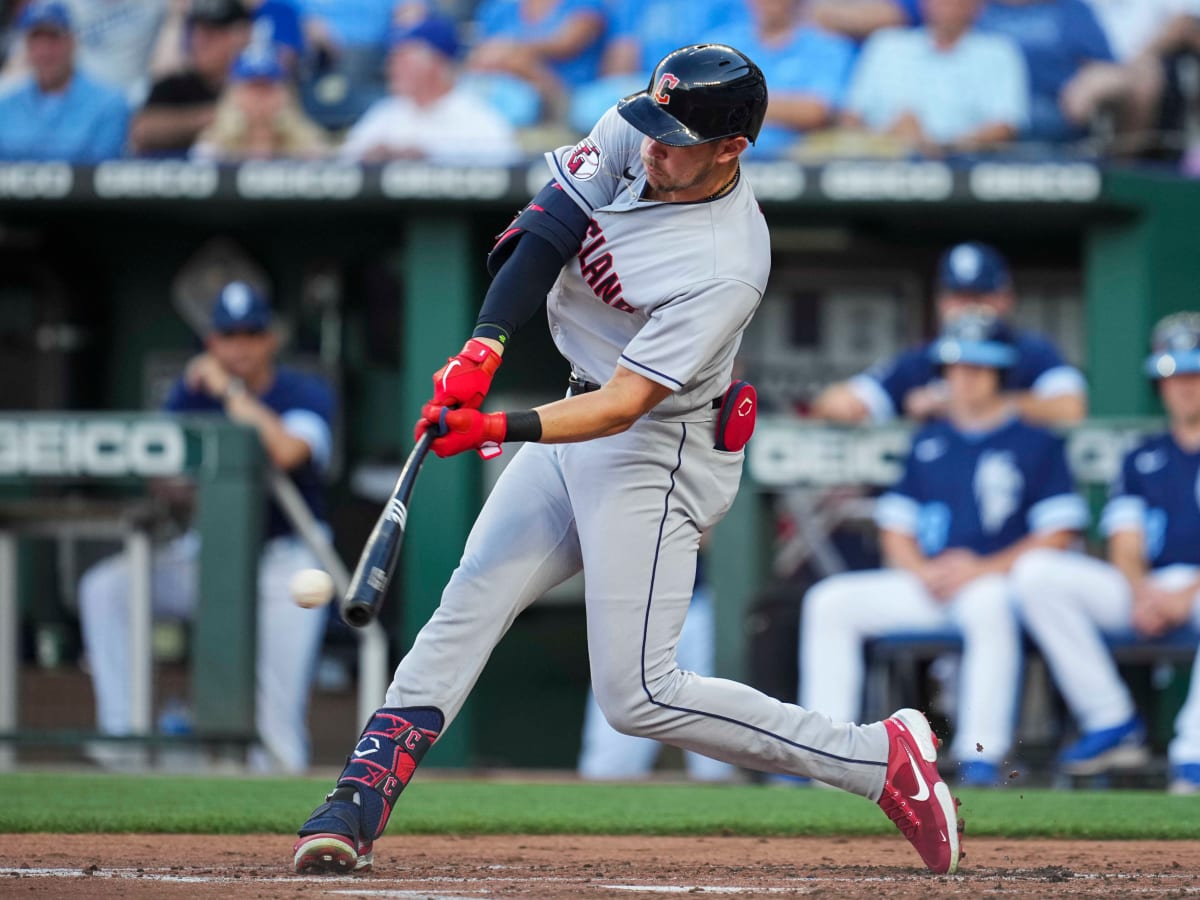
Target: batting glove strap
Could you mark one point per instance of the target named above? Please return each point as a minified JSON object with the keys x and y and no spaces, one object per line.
{"x":460,"y":430}
{"x":382,"y":764}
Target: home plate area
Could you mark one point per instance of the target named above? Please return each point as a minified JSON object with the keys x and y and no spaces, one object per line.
{"x":557,"y":867}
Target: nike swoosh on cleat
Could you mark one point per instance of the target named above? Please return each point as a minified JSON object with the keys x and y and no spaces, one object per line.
{"x":923,"y":788}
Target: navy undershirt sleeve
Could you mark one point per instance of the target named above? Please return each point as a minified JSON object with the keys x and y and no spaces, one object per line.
{"x":519,"y":288}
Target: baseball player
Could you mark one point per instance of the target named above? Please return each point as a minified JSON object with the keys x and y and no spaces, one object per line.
{"x":292,"y":413}
{"x":980,"y":489}
{"x":651,"y":254}
{"x":1040,"y":386}
{"x":1151,"y":582}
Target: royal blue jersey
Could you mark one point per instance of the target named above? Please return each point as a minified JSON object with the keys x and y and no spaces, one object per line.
{"x":305,"y":405}
{"x":1040,"y":368}
{"x":982,"y":491}
{"x":1158,"y":494}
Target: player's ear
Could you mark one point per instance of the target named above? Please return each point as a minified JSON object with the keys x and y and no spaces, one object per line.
{"x":731,"y":149}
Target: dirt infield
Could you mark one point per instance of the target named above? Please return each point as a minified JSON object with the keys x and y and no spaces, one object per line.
{"x":561,"y":867}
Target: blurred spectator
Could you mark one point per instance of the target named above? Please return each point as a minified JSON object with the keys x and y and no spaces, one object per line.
{"x":859,"y":19}
{"x":530,"y":54}
{"x":275,"y":21}
{"x":641,"y":33}
{"x":806,"y":70}
{"x":980,"y":489}
{"x":342,"y":73}
{"x":1146,"y":37}
{"x":182,"y":105}
{"x":1040,"y":386}
{"x":258,"y":116}
{"x":429,"y":115}
{"x":114,"y":42}
{"x":57,"y":112}
{"x":1058,"y":38}
{"x":942,"y":87}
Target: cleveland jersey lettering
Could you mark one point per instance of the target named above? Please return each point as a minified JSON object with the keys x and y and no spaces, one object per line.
{"x":596,"y":268}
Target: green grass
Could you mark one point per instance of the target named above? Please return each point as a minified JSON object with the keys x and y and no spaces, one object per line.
{"x":107,"y":803}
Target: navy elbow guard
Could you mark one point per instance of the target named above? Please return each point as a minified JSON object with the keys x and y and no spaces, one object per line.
{"x":552,"y":216}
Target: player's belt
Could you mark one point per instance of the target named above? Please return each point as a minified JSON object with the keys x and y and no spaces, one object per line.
{"x":577,"y":386}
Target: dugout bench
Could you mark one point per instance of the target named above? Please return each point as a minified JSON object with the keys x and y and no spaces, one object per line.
{"x":820,"y":477}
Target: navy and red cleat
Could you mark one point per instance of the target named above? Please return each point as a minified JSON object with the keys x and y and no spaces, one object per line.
{"x":331,"y":854}
{"x":325,"y":846}
{"x":914,"y":796}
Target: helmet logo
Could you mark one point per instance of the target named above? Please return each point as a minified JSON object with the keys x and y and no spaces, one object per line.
{"x":666,"y":83}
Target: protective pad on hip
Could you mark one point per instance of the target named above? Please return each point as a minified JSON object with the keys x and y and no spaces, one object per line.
{"x":735,"y":422}
{"x":388,"y":752}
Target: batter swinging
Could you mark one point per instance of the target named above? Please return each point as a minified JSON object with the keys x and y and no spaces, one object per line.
{"x":651,"y":255}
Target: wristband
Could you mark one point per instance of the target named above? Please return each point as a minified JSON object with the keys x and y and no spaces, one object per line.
{"x":488,"y":330}
{"x":525,"y":425}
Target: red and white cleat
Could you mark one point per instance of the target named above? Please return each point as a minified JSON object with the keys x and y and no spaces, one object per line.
{"x":331,"y":854}
{"x":914,"y":795}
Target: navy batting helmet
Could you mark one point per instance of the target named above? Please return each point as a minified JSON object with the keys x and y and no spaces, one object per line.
{"x":699,"y":94}
{"x":975,"y":338}
{"x":1175,"y":346}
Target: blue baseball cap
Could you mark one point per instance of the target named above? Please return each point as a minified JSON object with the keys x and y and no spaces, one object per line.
{"x":440,"y":32}
{"x":258,"y":64}
{"x":46,"y":14}
{"x":240,"y":308}
{"x":1175,"y":346}
{"x":973,"y":268}
{"x":975,"y":338}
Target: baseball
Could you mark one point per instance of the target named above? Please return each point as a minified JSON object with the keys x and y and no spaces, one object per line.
{"x":311,"y":588}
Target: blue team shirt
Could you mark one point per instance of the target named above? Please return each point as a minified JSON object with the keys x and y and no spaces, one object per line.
{"x":1158,"y":494}
{"x":658,"y":27}
{"x":502,"y":19}
{"x":355,"y":23}
{"x":1057,"y":38}
{"x":814,"y":63}
{"x":305,"y":404}
{"x":1039,"y":367}
{"x":279,"y":22}
{"x":982,"y":491}
{"x":86,"y":123}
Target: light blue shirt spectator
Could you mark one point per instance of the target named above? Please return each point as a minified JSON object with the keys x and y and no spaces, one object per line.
{"x":352,"y":23}
{"x":86,"y":123}
{"x":1057,"y":38}
{"x":658,"y":27}
{"x":814,"y":63}
{"x":980,"y":80}
{"x":502,"y":19}
{"x":641,"y":33}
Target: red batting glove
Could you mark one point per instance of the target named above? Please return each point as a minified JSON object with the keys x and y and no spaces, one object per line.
{"x":464,"y":380}
{"x":462,"y":430}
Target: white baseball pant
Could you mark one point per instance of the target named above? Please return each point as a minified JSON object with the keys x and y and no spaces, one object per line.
{"x":289,"y":637}
{"x":843,"y":611}
{"x":606,"y":754}
{"x":1068,"y":602}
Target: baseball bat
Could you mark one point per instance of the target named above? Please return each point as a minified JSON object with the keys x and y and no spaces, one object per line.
{"x":364,"y":597}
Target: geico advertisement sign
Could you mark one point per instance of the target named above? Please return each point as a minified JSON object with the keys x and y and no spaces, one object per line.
{"x":98,"y":449}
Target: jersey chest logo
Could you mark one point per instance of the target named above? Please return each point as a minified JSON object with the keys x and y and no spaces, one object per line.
{"x":596,"y":267}
{"x":999,"y":485}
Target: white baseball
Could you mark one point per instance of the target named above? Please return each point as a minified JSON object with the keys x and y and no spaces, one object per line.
{"x":311,"y":588}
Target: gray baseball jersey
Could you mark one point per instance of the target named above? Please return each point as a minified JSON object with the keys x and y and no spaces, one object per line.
{"x":665,"y":290}
{"x":677,"y":283}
